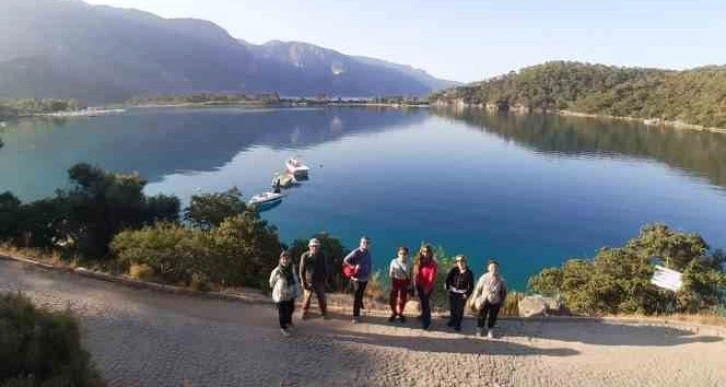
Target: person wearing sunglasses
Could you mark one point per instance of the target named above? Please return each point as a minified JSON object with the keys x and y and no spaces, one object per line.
{"x":460,"y":285}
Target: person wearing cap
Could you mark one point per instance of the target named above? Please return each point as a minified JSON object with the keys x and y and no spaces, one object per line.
{"x":360,"y":260}
{"x":285,"y":289}
{"x":459,"y":285}
{"x":314,"y":277}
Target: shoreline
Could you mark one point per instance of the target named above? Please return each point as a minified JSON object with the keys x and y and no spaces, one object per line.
{"x":657,"y":122}
{"x":519,"y":110}
{"x":283,"y":104}
{"x":78,"y":113}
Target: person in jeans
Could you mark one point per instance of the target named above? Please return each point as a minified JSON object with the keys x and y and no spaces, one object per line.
{"x":460,"y":285}
{"x":285,"y":289}
{"x":490,"y":293}
{"x":314,"y":277}
{"x":424,"y":280}
{"x":400,"y":273}
{"x":360,"y":260}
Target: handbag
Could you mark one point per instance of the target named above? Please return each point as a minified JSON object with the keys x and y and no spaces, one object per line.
{"x":349,"y":271}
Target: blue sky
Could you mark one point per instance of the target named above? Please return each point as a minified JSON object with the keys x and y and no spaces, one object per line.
{"x":468,"y":40}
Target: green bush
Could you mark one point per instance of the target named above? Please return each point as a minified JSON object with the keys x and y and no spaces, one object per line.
{"x":210,"y":210}
{"x":233,"y":254}
{"x":41,"y":348}
{"x":85,"y":218}
{"x":617,"y":280}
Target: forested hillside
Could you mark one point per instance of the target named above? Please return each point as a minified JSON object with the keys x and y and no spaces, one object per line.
{"x":696,"y":96}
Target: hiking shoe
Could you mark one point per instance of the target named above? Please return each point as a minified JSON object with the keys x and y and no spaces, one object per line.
{"x":285,"y":332}
{"x":490,"y":334}
{"x":392,"y":318}
{"x":402,"y":319}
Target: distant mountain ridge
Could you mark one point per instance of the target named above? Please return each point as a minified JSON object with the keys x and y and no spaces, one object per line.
{"x":98,"y":54}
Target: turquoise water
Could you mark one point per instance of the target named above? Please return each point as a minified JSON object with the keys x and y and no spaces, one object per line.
{"x":530,"y":191}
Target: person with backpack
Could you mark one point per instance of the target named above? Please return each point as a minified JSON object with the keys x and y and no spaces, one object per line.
{"x":424,"y":281}
{"x":459,"y":285}
{"x":285,"y":289}
{"x":400,"y":273}
{"x":357,"y":266}
{"x":489,"y":295}
{"x":314,"y":277}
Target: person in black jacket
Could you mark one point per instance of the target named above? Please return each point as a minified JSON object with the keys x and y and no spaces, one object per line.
{"x":460,"y":285}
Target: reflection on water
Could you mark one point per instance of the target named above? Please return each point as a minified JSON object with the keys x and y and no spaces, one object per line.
{"x":524,"y":189}
{"x":159,"y":142}
{"x":700,"y":153}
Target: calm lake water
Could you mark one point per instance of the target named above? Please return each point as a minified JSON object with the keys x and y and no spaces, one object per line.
{"x":530,"y":191}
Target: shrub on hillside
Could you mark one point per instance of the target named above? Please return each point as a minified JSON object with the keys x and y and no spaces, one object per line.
{"x":85,"y":218}
{"x":617,"y":280}
{"x":41,"y":348}
{"x":240,"y":252}
{"x":141,"y":272}
{"x":210,"y":210}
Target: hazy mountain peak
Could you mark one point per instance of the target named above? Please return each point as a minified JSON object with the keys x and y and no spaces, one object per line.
{"x":104,"y":54}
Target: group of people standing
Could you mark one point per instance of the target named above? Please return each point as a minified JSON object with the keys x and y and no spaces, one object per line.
{"x":407,"y":279}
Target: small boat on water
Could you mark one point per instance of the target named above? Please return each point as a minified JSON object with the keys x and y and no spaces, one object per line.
{"x":296,"y":167}
{"x":286,"y":180}
{"x":265,"y":199}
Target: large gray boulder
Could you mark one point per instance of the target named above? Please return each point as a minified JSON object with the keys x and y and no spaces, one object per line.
{"x":537,"y":305}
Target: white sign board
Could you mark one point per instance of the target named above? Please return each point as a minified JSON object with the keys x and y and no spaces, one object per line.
{"x":667,"y":278}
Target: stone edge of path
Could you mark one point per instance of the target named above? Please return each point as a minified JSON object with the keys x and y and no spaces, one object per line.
{"x":260,"y":298}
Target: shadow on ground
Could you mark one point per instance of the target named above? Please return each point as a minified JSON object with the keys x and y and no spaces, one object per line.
{"x":605,"y":333}
{"x":594,"y":332}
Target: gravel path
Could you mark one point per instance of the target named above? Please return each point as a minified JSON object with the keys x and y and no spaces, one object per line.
{"x":145,"y":338}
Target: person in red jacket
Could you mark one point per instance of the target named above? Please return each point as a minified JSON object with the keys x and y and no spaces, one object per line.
{"x":425,"y":280}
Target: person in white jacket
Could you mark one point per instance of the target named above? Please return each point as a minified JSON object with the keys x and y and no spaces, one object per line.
{"x":489,"y":295}
{"x":285,"y":289}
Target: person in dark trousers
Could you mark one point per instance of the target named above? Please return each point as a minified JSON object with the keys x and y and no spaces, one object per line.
{"x":400,"y":273}
{"x":460,"y":285}
{"x":314,"y":277}
{"x":360,"y":260}
{"x":424,"y":281}
{"x":285,"y":289}
{"x":490,"y":293}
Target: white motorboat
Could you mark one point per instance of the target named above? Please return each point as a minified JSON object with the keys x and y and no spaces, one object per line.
{"x":296,"y":167}
{"x":265,"y":198}
{"x":286,"y":180}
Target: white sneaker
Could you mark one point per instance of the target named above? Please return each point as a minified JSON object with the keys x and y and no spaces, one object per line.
{"x":355,"y":320}
{"x":490,"y":334}
{"x":480,"y":332}
{"x":285,"y":332}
